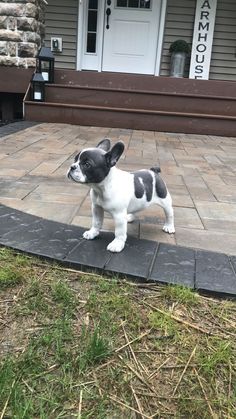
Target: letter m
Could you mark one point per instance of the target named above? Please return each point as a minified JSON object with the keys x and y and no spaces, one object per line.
{"x":201,"y":26}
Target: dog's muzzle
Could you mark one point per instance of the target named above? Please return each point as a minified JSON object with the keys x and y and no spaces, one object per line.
{"x":75,"y":176}
{"x":71,"y":172}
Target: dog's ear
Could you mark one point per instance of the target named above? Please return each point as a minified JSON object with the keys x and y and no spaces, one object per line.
{"x":104,"y":144}
{"x":114,"y":154}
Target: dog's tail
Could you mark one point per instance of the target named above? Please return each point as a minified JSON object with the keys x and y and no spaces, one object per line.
{"x":156,"y":169}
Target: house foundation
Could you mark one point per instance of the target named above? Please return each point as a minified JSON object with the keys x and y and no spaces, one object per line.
{"x":21,"y":32}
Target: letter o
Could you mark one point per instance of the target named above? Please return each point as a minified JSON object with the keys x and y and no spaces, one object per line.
{"x":201,"y":48}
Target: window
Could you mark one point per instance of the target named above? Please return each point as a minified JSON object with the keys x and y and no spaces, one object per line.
{"x":137,"y":4}
{"x":92,"y":26}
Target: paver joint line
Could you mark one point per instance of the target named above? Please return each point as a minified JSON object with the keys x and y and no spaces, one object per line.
{"x":153,"y":261}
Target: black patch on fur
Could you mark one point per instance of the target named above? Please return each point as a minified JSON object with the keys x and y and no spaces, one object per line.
{"x":143,"y":186}
{"x":93,"y":165}
{"x":160,"y":187}
{"x":114,"y":154}
{"x":138,"y":187}
{"x":156,"y":169}
{"x":105,"y":144}
{"x":77,"y":157}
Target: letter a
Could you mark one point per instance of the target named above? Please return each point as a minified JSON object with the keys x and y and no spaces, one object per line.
{"x":206,"y":4}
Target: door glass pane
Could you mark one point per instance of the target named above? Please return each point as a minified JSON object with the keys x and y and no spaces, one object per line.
{"x":91,"y":42}
{"x":92,"y":26}
{"x":92,"y":21}
{"x":133,"y":3}
{"x":93,"y":4}
{"x":145,"y":4}
{"x":137,"y":4}
{"x":122,"y":3}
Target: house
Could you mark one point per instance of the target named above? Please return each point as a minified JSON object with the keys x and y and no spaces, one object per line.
{"x":112,"y":63}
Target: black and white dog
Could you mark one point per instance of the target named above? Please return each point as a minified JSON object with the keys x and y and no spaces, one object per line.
{"x":118,"y":192}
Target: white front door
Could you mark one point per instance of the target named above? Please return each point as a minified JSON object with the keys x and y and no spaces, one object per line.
{"x":131,"y":36}
{"x":127,"y":40}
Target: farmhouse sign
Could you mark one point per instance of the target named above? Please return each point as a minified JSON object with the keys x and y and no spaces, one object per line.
{"x":202,"y":39}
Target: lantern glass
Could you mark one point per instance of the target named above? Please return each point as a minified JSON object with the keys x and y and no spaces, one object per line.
{"x":37,"y":88}
{"x":45,"y":70}
{"x":37,"y":92}
{"x":46,"y":64}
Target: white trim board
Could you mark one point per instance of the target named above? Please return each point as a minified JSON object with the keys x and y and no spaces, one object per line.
{"x":161,"y":37}
{"x":202,"y":39}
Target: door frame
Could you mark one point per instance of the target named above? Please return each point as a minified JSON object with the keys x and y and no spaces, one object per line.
{"x":96,"y":59}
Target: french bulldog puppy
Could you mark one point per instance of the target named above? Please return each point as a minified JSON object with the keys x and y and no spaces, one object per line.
{"x":118,"y":192}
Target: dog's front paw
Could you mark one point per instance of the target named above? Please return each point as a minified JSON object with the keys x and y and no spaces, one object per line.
{"x":90,"y":234}
{"x":116,"y":246}
{"x":169,"y":228}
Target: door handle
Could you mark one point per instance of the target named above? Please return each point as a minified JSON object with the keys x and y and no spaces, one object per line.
{"x":108,"y":12}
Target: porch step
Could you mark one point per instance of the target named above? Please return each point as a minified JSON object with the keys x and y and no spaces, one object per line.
{"x":120,"y":117}
{"x":141,"y":99}
{"x":138,"y":102}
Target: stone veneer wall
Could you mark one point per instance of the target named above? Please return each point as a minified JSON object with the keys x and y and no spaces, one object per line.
{"x":21,"y":31}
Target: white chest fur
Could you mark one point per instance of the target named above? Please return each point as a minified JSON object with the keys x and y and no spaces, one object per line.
{"x":115,"y":192}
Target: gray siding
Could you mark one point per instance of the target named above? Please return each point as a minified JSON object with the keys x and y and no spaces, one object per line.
{"x":179,"y":24}
{"x":223,"y":61}
{"x":61,"y":20}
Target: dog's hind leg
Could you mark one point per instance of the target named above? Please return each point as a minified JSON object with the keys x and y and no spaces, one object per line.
{"x":166,"y":204}
{"x":98,"y":215}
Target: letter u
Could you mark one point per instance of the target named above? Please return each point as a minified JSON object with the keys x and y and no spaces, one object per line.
{"x":197,"y":59}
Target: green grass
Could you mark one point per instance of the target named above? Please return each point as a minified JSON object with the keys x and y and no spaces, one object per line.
{"x":9,"y":277}
{"x":219,"y":354}
{"x":163,"y":323}
{"x":5,"y":254}
{"x":179,"y":294}
{"x":84,"y":346}
{"x":94,"y":348}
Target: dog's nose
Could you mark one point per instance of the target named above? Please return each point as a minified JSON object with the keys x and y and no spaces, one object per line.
{"x":73,"y":167}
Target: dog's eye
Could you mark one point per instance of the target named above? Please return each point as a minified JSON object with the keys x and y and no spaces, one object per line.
{"x":87,"y":164}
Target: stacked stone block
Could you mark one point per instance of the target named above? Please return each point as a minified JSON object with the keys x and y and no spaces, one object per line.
{"x":21,"y":31}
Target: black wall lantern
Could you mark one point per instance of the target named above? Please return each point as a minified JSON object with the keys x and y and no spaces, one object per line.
{"x":38,"y":88}
{"x":46,"y":64}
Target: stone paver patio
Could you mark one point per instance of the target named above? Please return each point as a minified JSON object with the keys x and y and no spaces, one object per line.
{"x":200,"y":172}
